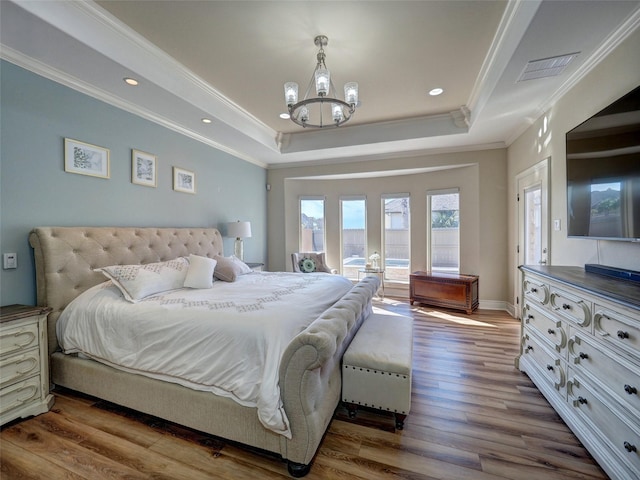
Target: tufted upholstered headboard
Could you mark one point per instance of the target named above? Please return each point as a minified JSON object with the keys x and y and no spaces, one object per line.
{"x":66,"y":256}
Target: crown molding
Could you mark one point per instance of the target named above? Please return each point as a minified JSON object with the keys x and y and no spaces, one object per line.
{"x":39,"y":68}
{"x":607,"y":47}
{"x":96,"y":28}
{"x":513,"y":25}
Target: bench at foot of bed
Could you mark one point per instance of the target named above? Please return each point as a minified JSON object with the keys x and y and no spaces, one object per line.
{"x":376,"y":368}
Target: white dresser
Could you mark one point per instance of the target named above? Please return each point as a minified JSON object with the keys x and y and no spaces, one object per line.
{"x":581,"y":347}
{"x":24,"y":366}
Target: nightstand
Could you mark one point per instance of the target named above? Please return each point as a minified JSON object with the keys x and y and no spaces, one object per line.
{"x":24,"y":362}
{"x":256,"y":267}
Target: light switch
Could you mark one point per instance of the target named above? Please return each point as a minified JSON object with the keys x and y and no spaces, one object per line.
{"x":556,"y":225}
{"x":10,"y":260}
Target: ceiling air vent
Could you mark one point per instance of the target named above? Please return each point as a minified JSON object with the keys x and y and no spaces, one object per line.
{"x":546,"y":67}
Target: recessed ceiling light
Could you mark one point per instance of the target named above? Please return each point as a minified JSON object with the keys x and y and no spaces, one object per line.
{"x":285,"y":116}
{"x":206,"y":120}
{"x":436,"y":91}
{"x":131,"y":81}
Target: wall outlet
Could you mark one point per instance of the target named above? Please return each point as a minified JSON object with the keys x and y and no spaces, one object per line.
{"x":10,"y":260}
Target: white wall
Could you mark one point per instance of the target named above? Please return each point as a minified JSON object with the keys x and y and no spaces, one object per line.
{"x":616,"y":75}
{"x":480,"y":175}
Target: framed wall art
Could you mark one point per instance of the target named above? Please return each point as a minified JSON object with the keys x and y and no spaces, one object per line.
{"x":143,"y":168}
{"x":184,"y":180}
{"x":86,"y":159}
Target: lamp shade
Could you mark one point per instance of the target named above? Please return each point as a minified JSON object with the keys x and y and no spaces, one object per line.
{"x":239,"y":229}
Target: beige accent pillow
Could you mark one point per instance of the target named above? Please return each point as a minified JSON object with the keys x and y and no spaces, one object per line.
{"x":229,"y":268}
{"x":139,"y":281}
{"x":200,"y":273}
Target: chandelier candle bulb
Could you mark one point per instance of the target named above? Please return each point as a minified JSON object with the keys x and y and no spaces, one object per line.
{"x":323,"y":78}
{"x":304,"y":114}
{"x":337,"y":112}
{"x":291,"y":92}
{"x":351,"y":93}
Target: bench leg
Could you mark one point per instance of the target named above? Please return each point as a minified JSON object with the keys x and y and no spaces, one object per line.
{"x":400,"y":420}
{"x":352,"y":408}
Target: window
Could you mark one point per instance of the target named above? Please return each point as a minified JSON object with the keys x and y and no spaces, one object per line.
{"x":397,"y":233}
{"x":312,"y":224}
{"x":444,"y":234}
{"x":353,"y":235}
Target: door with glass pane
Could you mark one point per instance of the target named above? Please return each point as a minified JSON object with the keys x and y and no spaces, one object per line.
{"x":533,"y":220}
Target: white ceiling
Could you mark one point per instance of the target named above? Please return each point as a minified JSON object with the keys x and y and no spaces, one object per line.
{"x":228,"y":61}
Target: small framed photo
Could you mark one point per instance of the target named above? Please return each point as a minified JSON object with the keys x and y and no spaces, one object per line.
{"x":85,"y":159}
{"x":184,"y":180}
{"x":143,"y":169}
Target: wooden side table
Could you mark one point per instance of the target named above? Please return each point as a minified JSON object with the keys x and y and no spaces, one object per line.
{"x":24,"y":362}
{"x":449,"y":290}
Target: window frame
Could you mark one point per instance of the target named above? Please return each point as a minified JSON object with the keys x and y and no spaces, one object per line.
{"x":348,"y":198}
{"x":429,"y":223}
{"x":322,"y":198}
{"x":383,"y":243}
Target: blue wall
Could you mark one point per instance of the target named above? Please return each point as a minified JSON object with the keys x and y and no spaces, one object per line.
{"x":36,"y":115}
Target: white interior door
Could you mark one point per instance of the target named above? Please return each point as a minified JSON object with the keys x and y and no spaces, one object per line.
{"x":533,"y":221}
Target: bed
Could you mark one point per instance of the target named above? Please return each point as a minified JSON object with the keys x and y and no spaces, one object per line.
{"x":305,"y":368}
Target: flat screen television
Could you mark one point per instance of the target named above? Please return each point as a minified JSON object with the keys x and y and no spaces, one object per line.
{"x":603,"y":173}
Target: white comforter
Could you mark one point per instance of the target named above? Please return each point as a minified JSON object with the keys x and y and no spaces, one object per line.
{"x":228,"y":339}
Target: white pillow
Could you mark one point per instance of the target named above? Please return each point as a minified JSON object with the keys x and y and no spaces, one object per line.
{"x":200,"y":273}
{"x":139,"y":281}
{"x":230,"y":268}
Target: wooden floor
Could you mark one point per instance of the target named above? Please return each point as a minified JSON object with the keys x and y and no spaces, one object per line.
{"x":473,"y":416}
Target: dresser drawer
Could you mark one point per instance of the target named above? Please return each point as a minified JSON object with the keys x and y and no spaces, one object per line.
{"x":552,"y":368}
{"x":620,"y":378}
{"x":622,"y":434}
{"x":18,"y":338}
{"x":549,"y":328}
{"x":617,"y":329}
{"x":535,"y":291}
{"x":571,"y":307}
{"x":19,"y":366}
{"x":20,"y":395}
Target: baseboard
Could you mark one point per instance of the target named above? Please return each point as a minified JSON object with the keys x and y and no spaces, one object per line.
{"x":494,"y":305}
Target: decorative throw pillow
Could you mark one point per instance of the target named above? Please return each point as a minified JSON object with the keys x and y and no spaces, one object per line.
{"x":200,"y":273}
{"x":229,"y":268}
{"x":139,"y":281}
{"x":307,"y":265}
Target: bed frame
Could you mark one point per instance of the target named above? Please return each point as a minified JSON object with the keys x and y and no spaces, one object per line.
{"x":310,"y":373}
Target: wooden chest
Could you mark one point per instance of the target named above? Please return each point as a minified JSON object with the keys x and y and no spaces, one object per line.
{"x":449,"y":290}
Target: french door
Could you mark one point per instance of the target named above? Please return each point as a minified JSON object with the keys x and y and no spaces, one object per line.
{"x":533,"y":221}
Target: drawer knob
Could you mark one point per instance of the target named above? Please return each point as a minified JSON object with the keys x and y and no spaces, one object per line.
{"x":622,"y":335}
{"x":630,"y":390}
{"x":534,"y":289}
{"x":629,"y":447}
{"x":551,"y":331}
{"x":583,"y":355}
{"x":582,"y":400}
{"x":550,"y":368}
{"x":566,"y":306}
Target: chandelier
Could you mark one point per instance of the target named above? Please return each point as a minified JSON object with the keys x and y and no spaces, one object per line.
{"x":325,"y":109}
